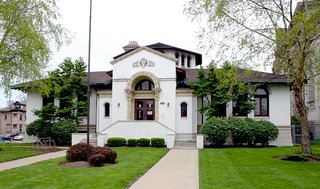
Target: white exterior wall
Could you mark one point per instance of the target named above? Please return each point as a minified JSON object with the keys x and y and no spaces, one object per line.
{"x":167,"y":112}
{"x":102,"y":121}
{"x":279,"y":113}
{"x":279,"y":105}
{"x":186,"y":124}
{"x":34,"y":102}
{"x":164,"y":70}
{"x":119,"y":101}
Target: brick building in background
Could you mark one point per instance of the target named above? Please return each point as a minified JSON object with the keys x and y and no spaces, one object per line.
{"x":13,"y":119}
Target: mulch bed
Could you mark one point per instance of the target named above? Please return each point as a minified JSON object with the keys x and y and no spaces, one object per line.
{"x":76,"y":164}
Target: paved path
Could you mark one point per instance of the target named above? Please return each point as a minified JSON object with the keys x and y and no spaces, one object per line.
{"x":178,"y":169}
{"x":31,"y":160}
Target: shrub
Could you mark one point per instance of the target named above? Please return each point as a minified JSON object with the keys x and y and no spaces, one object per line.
{"x":78,"y":152}
{"x":109,"y":155}
{"x":157,"y":142}
{"x":39,"y":128}
{"x":265,"y":131}
{"x":96,"y":159}
{"x":116,"y":142}
{"x":239,"y":131}
{"x":144,"y":142}
{"x":132,"y":142}
{"x":217,"y":131}
{"x":61,"y":131}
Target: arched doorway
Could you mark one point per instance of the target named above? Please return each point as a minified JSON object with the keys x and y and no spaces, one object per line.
{"x":143,"y":96}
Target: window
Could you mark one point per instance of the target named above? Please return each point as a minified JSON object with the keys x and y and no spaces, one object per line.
{"x":20,"y":128}
{"x":5,"y":117}
{"x":14,"y":126}
{"x":261,"y":98}
{"x":177,"y":57}
{"x":20,"y":117}
{"x":182,"y":60}
{"x":144,"y":85}
{"x":106,"y":109}
{"x":188,"y":61}
{"x":15,"y":115}
{"x":47,"y":100}
{"x":184,"y":109}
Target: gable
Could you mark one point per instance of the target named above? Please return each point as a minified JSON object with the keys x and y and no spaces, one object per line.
{"x":144,"y":59}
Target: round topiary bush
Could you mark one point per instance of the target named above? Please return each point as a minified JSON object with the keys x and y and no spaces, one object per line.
{"x":116,"y":142}
{"x":110,"y":155}
{"x":157,"y":142}
{"x":239,"y":131}
{"x":132,"y":142}
{"x":216,"y":130}
{"x":78,"y":152}
{"x":97,"y":160}
{"x":144,"y":142}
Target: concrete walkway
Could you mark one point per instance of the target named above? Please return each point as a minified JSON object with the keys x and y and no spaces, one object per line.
{"x":178,"y":169}
{"x":31,"y":160}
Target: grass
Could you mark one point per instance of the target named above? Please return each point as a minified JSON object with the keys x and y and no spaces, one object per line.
{"x":12,"y":151}
{"x":256,"y":168}
{"x":132,"y":162}
{"x":315,"y":142}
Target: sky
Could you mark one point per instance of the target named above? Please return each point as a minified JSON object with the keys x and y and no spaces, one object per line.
{"x":114,"y":24}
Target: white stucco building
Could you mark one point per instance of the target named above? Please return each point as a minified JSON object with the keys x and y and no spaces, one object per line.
{"x":145,"y":95}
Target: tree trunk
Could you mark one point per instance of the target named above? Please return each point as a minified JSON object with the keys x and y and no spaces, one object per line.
{"x":302,"y":111}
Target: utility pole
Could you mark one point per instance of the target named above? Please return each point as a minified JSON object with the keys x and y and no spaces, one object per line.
{"x":89,"y":80}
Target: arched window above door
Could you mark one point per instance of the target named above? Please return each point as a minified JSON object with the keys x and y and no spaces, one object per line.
{"x":144,"y":85}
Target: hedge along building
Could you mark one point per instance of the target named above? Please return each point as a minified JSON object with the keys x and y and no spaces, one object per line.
{"x":145,"y":96}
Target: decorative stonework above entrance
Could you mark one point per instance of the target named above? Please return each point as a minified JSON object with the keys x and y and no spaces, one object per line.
{"x":143,"y":63}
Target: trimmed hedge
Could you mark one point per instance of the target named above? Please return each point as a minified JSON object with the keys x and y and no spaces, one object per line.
{"x":144,"y":142}
{"x":97,"y":155}
{"x":157,"y":142}
{"x":96,"y":160}
{"x":132,"y":142}
{"x":110,"y":156}
{"x":247,"y":131}
{"x":116,"y":142}
{"x":217,"y":131}
{"x":239,"y":131}
{"x":78,"y":152}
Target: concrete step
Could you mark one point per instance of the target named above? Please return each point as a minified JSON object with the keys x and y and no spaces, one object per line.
{"x":185,"y":143}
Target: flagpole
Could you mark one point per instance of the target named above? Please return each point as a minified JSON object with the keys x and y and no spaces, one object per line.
{"x":89,"y":80}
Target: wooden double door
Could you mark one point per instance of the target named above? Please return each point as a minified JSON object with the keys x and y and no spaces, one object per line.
{"x":144,"y":109}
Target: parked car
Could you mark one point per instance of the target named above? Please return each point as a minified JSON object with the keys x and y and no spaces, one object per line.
{"x":7,"y":138}
{"x":18,"y":137}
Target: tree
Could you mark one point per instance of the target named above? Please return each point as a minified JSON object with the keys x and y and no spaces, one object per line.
{"x":220,"y":86}
{"x":65,"y":84}
{"x":28,"y":31}
{"x":256,"y":30}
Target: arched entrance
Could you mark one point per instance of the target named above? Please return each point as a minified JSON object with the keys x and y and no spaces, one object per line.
{"x":143,"y":96}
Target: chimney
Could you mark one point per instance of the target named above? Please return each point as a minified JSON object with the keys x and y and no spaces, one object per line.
{"x":131,"y":46}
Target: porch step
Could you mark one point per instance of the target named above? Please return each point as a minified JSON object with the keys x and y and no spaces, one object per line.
{"x":185,"y":143}
{"x":185,"y":140}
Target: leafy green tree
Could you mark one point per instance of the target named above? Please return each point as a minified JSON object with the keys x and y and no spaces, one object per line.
{"x":28,"y":31}
{"x":265,"y":31}
{"x":218,"y":87}
{"x":65,"y":84}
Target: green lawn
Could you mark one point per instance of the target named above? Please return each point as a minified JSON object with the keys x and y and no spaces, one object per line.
{"x":256,"y":168}
{"x":12,"y":151}
{"x":132,"y":162}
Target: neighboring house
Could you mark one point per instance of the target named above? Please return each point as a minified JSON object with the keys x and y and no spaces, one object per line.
{"x":13,"y":119}
{"x":145,"y":95}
